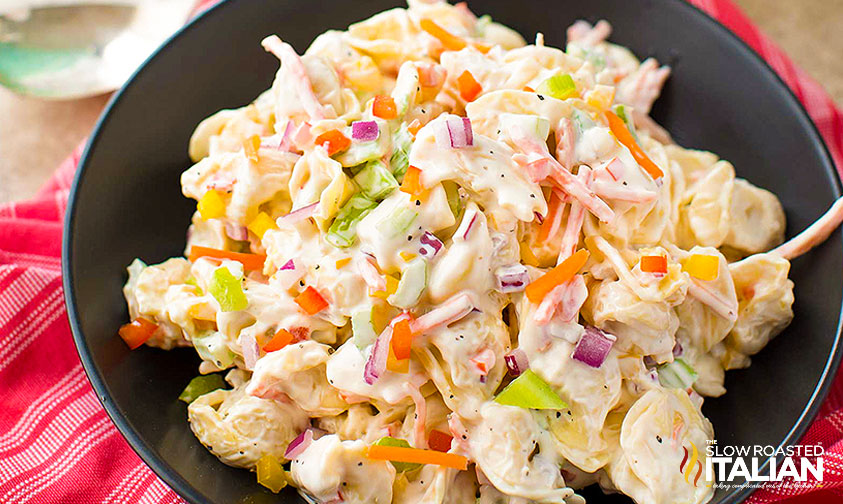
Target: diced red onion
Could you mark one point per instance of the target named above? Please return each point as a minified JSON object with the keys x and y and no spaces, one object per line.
{"x":449,"y":312}
{"x":616,"y":169}
{"x":288,"y":274}
{"x":299,"y":445}
{"x":512,"y":278}
{"x":539,"y":217}
{"x":516,"y":362}
{"x":250,"y":348}
{"x":365,"y":131}
{"x":593,"y":347}
{"x":678,"y":350}
{"x":454,"y":133}
{"x":302,"y":137}
{"x":287,"y":138}
{"x":235,"y":232}
{"x":376,"y":364}
{"x":466,"y":224}
{"x":430,"y":245}
{"x":301,"y":214}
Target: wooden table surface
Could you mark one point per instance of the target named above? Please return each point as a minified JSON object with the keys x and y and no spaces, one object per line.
{"x":36,"y":135}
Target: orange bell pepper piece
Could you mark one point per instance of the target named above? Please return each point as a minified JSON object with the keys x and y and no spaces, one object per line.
{"x":137,"y":332}
{"x":281,"y":339}
{"x":468,"y":86}
{"x":311,"y":301}
{"x":384,"y":107}
{"x":334,"y":141}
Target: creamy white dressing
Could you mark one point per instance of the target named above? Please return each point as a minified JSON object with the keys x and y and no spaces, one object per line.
{"x":509,"y":191}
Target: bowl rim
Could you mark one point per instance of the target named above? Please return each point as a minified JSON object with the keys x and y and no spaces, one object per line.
{"x":177,"y":482}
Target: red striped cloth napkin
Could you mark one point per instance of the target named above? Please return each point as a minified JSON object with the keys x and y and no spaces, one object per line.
{"x":58,"y":445}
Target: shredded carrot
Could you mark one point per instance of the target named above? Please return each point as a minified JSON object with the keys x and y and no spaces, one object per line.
{"x":623,"y":135}
{"x":281,"y":339}
{"x":334,"y":141}
{"x":311,"y":301}
{"x":654,"y":264}
{"x":483,"y":48}
{"x":528,"y":89}
{"x":249,"y":261}
{"x":468,"y":86}
{"x":137,"y":332}
{"x":402,"y":337}
{"x":251,"y":146}
{"x":439,"y":441}
{"x":554,"y":216}
{"x":412,"y":182}
{"x":384,"y":107}
{"x":342,"y":262}
{"x":418,"y":456}
{"x":539,"y":288}
{"x":448,"y":40}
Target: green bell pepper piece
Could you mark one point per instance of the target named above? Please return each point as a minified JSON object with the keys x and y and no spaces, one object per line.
{"x":529,"y":391}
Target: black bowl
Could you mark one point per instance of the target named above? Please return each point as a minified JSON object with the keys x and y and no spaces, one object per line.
{"x":126,"y":203}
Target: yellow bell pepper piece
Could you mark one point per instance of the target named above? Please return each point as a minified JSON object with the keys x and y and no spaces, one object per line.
{"x":261,"y":224}
{"x":342,"y":262}
{"x":704,"y":267}
{"x":407,"y":256}
{"x":601,"y":96}
{"x":527,"y":255}
{"x":251,"y":146}
{"x":270,"y":473}
{"x":391,"y":287}
{"x":211,"y":205}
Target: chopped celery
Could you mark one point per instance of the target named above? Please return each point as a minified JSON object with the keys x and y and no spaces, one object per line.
{"x":581,"y":121}
{"x":531,"y":392}
{"x":343,"y":230}
{"x":270,"y":473}
{"x":401,"y":443}
{"x":595,"y":58}
{"x":622,"y":112}
{"x":375,"y":180}
{"x":528,"y":124}
{"x":452,"y":191}
{"x":363,"y":328}
{"x":227,"y":290}
{"x":412,"y":284}
{"x":200,"y":386}
{"x":482,"y":23}
{"x":400,"y":160}
{"x":677,"y":374}
{"x":397,"y":222}
{"x":211,"y":346}
{"x":559,"y":86}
